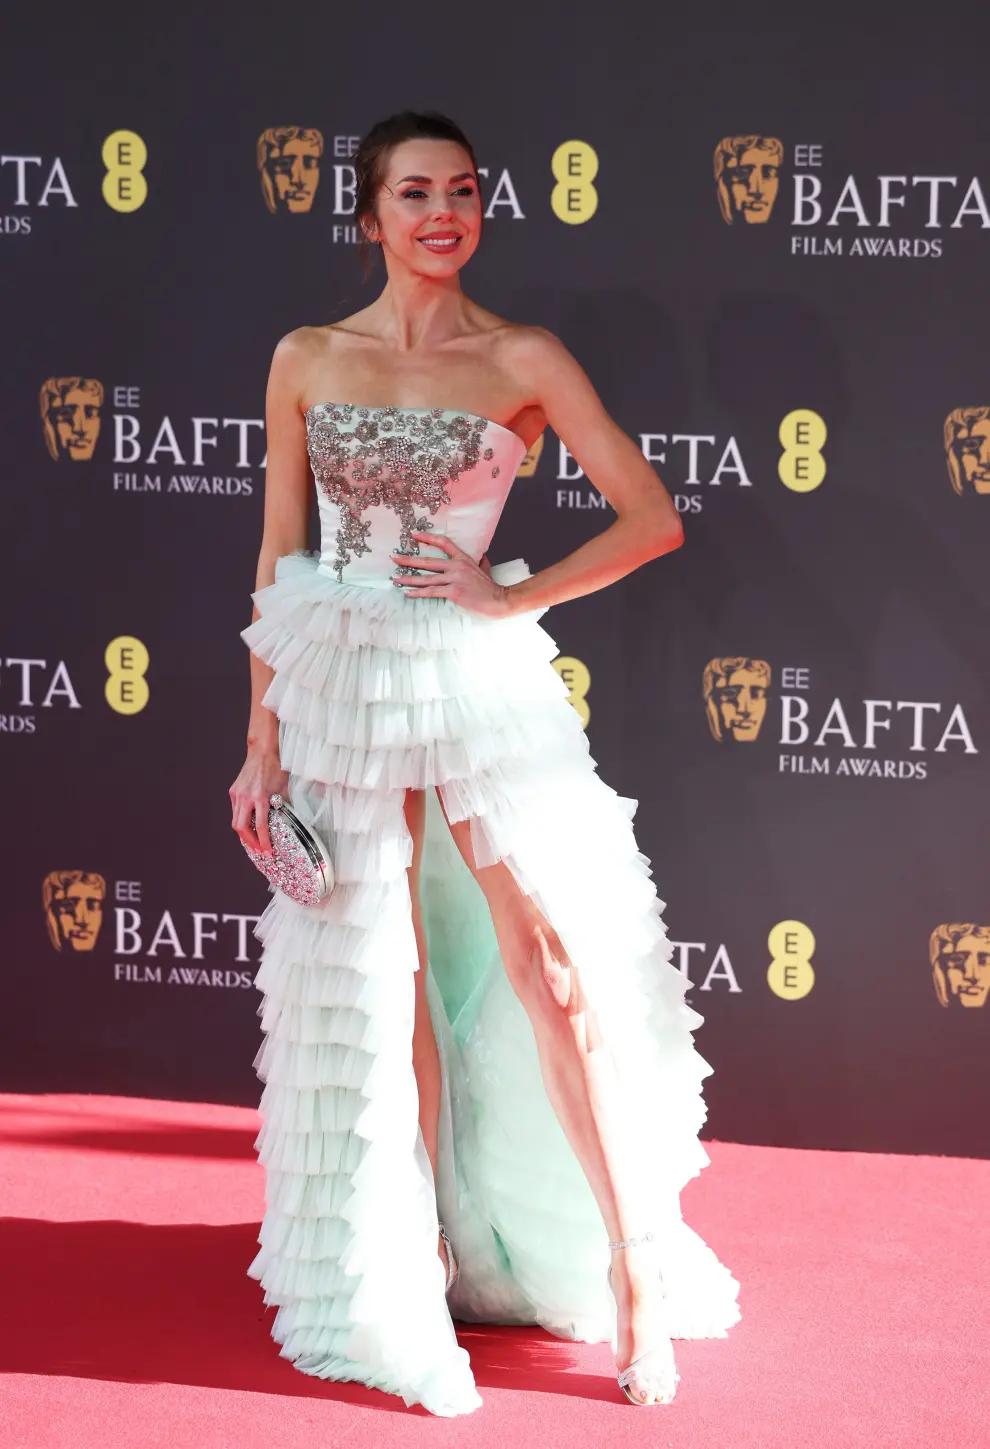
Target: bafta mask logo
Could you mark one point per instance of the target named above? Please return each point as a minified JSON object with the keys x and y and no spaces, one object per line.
{"x":747,"y":177}
{"x":528,"y":465}
{"x":960,"y":956}
{"x":70,"y":416}
{"x":967,"y":449}
{"x":73,"y":901}
{"x":289,"y":163}
{"x":735,"y":692}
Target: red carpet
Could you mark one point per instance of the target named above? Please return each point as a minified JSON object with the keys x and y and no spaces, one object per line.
{"x":128,"y":1320}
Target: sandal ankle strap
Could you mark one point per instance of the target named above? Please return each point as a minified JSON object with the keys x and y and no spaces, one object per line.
{"x":452,"y":1269}
{"x":633,"y":1242}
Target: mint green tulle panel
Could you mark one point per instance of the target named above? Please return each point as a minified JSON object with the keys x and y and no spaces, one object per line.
{"x":510,"y":1189}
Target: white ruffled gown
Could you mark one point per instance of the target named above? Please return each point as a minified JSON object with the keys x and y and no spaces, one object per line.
{"x":377,"y":692}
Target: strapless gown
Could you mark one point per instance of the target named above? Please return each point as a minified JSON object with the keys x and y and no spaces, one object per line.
{"x":377,"y":692}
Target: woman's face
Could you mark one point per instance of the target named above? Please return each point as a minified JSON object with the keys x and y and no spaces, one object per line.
{"x":429,"y":210}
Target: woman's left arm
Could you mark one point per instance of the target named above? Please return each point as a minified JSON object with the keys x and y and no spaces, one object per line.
{"x":646,"y":522}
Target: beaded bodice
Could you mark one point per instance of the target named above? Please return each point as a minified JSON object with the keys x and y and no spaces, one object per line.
{"x":383,"y":473}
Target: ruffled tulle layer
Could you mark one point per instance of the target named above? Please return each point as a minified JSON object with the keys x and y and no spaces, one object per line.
{"x":377,"y":693}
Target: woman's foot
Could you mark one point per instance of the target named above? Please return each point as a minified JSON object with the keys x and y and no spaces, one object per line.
{"x":642,"y":1338}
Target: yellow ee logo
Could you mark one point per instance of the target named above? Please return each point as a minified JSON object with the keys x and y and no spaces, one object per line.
{"x":575,"y":166}
{"x":125,"y":156}
{"x":127,"y":661}
{"x":577,"y":677}
{"x":791,"y":974}
{"x":801,"y":466}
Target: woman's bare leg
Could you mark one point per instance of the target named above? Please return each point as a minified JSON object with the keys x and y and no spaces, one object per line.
{"x":580,"y":1082}
{"x":426,"y":1057}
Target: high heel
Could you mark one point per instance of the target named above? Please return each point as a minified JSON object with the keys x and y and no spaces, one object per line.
{"x":656,"y":1363}
{"x":452,"y":1268}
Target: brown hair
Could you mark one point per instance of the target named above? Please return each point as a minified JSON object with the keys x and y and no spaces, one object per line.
{"x":376,"y":147}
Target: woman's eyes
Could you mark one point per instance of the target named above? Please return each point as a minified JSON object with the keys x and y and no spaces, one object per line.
{"x":416,"y":193}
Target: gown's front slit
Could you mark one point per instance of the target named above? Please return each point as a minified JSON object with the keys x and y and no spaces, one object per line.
{"x":376,"y":693}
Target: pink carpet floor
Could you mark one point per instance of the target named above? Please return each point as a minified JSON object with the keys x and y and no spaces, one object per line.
{"x":126,"y":1226}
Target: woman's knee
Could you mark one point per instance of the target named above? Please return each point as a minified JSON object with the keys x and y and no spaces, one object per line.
{"x":540,"y":970}
{"x":538,"y":967}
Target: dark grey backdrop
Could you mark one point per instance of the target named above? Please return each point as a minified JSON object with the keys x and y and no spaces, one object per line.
{"x":873,"y":583}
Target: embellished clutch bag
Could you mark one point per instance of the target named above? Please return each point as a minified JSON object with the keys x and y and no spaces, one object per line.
{"x":299,"y":864}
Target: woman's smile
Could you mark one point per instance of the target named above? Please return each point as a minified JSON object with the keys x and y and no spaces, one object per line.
{"x":441,"y":241}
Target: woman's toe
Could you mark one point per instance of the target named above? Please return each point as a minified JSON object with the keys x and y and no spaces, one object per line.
{"x":642,"y":1390}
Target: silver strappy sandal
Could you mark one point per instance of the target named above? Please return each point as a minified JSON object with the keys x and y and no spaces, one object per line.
{"x":656,"y":1363}
{"x":452,"y":1269}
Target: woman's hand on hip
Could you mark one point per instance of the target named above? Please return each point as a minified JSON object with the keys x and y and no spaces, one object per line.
{"x":455,"y":577}
{"x":261,"y":776}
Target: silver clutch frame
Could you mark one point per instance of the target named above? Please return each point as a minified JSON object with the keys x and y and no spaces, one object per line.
{"x":312,"y":846}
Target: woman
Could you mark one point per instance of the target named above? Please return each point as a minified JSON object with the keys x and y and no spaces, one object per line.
{"x":404,"y":700}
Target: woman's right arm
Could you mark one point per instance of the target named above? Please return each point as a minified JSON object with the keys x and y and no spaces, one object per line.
{"x":287,"y":503}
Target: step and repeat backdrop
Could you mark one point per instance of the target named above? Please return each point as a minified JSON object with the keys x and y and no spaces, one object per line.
{"x":770,"y":249}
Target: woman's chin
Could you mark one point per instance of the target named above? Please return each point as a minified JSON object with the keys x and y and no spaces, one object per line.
{"x":438,"y":265}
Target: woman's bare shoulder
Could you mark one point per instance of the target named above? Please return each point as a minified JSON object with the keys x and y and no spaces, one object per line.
{"x":298,"y":347}
{"x":527,"y":351}
{"x":305,"y":342}
{"x":502,"y":331}
{"x":308,"y":350}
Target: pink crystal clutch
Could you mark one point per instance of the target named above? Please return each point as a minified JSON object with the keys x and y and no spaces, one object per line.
{"x":299,"y":864}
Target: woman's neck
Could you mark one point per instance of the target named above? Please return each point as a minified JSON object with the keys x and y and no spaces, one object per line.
{"x":414,"y":311}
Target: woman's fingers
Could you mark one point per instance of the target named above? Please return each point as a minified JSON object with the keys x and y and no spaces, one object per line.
{"x":250,"y":798}
{"x":457,"y":577}
{"x":250,"y":821}
{"x":418,"y":562}
{"x":427,"y":581}
{"x":441,"y":540}
{"x":261,"y":824}
{"x":240,"y":819}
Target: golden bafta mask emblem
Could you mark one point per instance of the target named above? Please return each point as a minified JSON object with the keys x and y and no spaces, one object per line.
{"x":747,"y":177}
{"x":289,"y":163}
{"x":967,"y":449}
{"x":528,"y":465}
{"x":73,"y":902}
{"x":735,"y":692}
{"x":960,"y":957}
{"x":70,"y":416}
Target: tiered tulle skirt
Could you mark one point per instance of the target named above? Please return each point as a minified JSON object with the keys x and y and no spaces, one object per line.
{"x":378,"y":693}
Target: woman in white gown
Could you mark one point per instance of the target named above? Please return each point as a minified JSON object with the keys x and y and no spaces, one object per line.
{"x":404,"y":701}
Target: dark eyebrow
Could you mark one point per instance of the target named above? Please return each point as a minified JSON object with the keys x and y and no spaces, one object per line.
{"x":463,"y":176}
